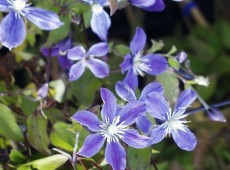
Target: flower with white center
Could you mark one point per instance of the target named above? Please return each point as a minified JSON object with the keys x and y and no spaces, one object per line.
{"x":112,"y":131}
{"x":12,"y":27}
{"x":128,"y":94}
{"x":19,"y":6}
{"x":113,"y":127}
{"x":88,"y":60}
{"x":173,"y":123}
{"x":138,"y":64}
{"x":97,"y":9}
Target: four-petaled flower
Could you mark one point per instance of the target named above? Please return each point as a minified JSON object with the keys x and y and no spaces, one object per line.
{"x":114,"y":126}
{"x":98,"y":67}
{"x":60,"y":50}
{"x":172,"y":122}
{"x":137,"y":64}
{"x":12,"y":27}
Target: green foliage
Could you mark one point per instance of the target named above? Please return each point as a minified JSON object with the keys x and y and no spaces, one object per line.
{"x":48,"y":163}
{"x":37,"y":132}
{"x":61,"y":137}
{"x":170,"y":83}
{"x":59,"y":34}
{"x":9,"y":127}
{"x":139,"y":159}
{"x":16,"y":156}
{"x":121,"y":50}
{"x":84,"y":88}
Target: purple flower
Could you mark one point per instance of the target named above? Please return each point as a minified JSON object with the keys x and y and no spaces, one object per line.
{"x":127,"y":94}
{"x":100,"y":21}
{"x":60,"y":50}
{"x":215,"y":114}
{"x":87,"y":60}
{"x":12,"y":27}
{"x":43,"y":91}
{"x":137,"y":64}
{"x":173,"y":122}
{"x":114,"y":126}
{"x":149,"y":5}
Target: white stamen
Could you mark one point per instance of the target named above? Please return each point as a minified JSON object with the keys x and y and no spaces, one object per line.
{"x":97,"y":9}
{"x":19,"y":6}
{"x":201,"y":80}
{"x":113,"y":131}
{"x":175,"y":121}
{"x":140,"y":65}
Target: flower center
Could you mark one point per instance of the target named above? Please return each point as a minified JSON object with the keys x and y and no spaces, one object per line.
{"x":113,"y":131}
{"x":140,"y":64}
{"x":97,"y":9}
{"x":19,"y":6}
{"x":175,"y":121}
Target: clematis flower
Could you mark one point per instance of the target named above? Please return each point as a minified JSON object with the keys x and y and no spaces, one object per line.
{"x":127,"y":94}
{"x":100,"y":20}
{"x":149,"y":5}
{"x":43,"y":91}
{"x":87,"y":60}
{"x":173,"y":122}
{"x":114,"y":126}
{"x":215,"y":114}
{"x":60,"y":50}
{"x":138,"y":64}
{"x":12,"y":27}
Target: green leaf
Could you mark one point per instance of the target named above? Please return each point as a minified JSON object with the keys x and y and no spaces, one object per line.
{"x":59,"y":87}
{"x":59,"y":34}
{"x":28,"y":106}
{"x":84,"y":88}
{"x":121,"y":50}
{"x":37,"y":132}
{"x":8,"y":125}
{"x":174,"y":63}
{"x":225,"y":27}
{"x":16,"y":156}
{"x":170,"y":84}
{"x":138,"y":158}
{"x":54,"y":115}
{"x":156,"y":46}
{"x":62,"y":138}
{"x":49,"y":163}
{"x":172,"y":51}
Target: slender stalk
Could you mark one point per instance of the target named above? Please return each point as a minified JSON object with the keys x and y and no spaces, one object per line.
{"x":199,"y":109}
{"x":48,"y":66}
{"x":84,"y":30}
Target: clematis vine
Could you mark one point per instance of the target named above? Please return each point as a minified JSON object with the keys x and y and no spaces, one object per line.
{"x":127,"y":94}
{"x":87,"y":60}
{"x":114,"y":126}
{"x":173,"y":122}
{"x":12,"y":27}
{"x":100,"y":20}
{"x":60,"y":50}
{"x":138,"y":64}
